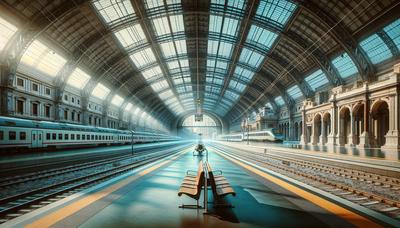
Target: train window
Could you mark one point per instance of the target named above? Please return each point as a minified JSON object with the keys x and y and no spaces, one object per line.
{"x":72,"y":136}
{"x":83,"y":137}
{"x":22,"y":135}
{"x":1,"y":135}
{"x":59,"y":136}
{"x":12,"y":135}
{"x":66,"y":136}
{"x":47,"y":136}
{"x":78,"y":137}
{"x":54,"y":136}
{"x":40,"y":137}
{"x":92,"y":137}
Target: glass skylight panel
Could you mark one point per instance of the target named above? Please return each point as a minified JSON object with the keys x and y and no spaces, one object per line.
{"x":42,"y":58}
{"x":225,"y":49}
{"x":277,"y":11}
{"x":154,"y":3}
{"x":117,"y":100}
{"x":137,"y":110}
{"x":279,"y":101}
{"x":294,"y":92}
{"x":215,"y":24}
{"x":7,"y":30}
{"x":131,"y":36}
{"x":230,"y":26}
{"x":173,"y":65}
{"x":393,"y":31}
{"x":153,"y":73}
{"x":237,"y":86}
{"x":100,"y":91}
{"x":231,"y":95}
{"x":345,"y":66}
{"x":243,"y":74}
{"x":161,"y":26}
{"x":212,"y":47}
{"x":166,"y":94}
{"x":143,"y":57}
{"x":114,"y":11}
{"x":128,"y":107}
{"x":78,"y":79}
{"x":251,"y":58}
{"x":177,"y":23}
{"x":316,"y":80}
{"x":376,"y":49}
{"x":181,"y":47}
{"x":168,"y":49}
{"x":178,"y":81}
{"x":160,"y":85}
{"x":261,"y":37}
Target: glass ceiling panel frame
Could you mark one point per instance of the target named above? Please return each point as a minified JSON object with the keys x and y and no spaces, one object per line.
{"x":114,"y":12}
{"x":222,"y":36}
{"x":271,"y":18}
{"x":169,"y":29}
{"x":41,"y":60}
{"x":7,"y":30}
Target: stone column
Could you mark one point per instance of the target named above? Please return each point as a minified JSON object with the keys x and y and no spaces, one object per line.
{"x":303,"y":138}
{"x":392,"y":146}
{"x":322,"y":140}
{"x":350,"y":139}
{"x":364,"y":137}
{"x":332,"y":136}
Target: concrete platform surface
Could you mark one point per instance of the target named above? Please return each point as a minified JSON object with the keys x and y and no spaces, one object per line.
{"x":151,"y":200}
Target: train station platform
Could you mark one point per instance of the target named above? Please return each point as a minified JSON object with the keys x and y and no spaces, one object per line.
{"x":351,"y":160}
{"x":147,"y":197}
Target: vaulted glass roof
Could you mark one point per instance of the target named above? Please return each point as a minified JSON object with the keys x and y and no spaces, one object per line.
{"x":78,"y":79}
{"x":100,"y":91}
{"x":42,"y":60}
{"x":344,"y":65}
{"x":7,"y":30}
{"x":317,"y":80}
{"x":163,"y":58}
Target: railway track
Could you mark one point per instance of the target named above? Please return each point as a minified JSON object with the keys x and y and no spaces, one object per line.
{"x":18,"y":204}
{"x":21,"y":168}
{"x":326,"y":177}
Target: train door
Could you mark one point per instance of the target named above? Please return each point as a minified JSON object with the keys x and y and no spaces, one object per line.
{"x":37,"y":138}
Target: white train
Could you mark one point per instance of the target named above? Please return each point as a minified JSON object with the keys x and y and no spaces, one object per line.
{"x":15,"y":133}
{"x":271,"y":135}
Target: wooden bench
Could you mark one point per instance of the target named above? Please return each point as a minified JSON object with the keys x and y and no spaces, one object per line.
{"x":219,"y":184}
{"x":192,"y":185}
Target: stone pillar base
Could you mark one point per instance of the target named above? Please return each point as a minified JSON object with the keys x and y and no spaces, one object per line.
{"x":364,"y":140}
{"x":341,"y":140}
{"x":331,"y":140}
{"x":350,"y":141}
{"x":392,"y":147}
{"x":303,"y":140}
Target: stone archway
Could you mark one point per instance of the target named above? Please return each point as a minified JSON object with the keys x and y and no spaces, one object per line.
{"x":358,"y":114}
{"x":344,"y":126}
{"x":296,"y":131}
{"x":326,"y":127}
{"x":316,"y":131}
{"x":380,"y":123}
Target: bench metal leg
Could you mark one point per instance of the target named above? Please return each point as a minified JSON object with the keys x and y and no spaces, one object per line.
{"x":191,"y":206}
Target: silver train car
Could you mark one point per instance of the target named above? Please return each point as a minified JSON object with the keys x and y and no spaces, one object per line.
{"x":270,"y":135}
{"x":22,"y":133}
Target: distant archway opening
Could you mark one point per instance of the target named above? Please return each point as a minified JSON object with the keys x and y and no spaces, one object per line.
{"x":206,"y":126}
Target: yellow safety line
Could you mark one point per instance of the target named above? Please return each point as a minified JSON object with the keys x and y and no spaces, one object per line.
{"x":66,"y":211}
{"x":350,"y":216}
